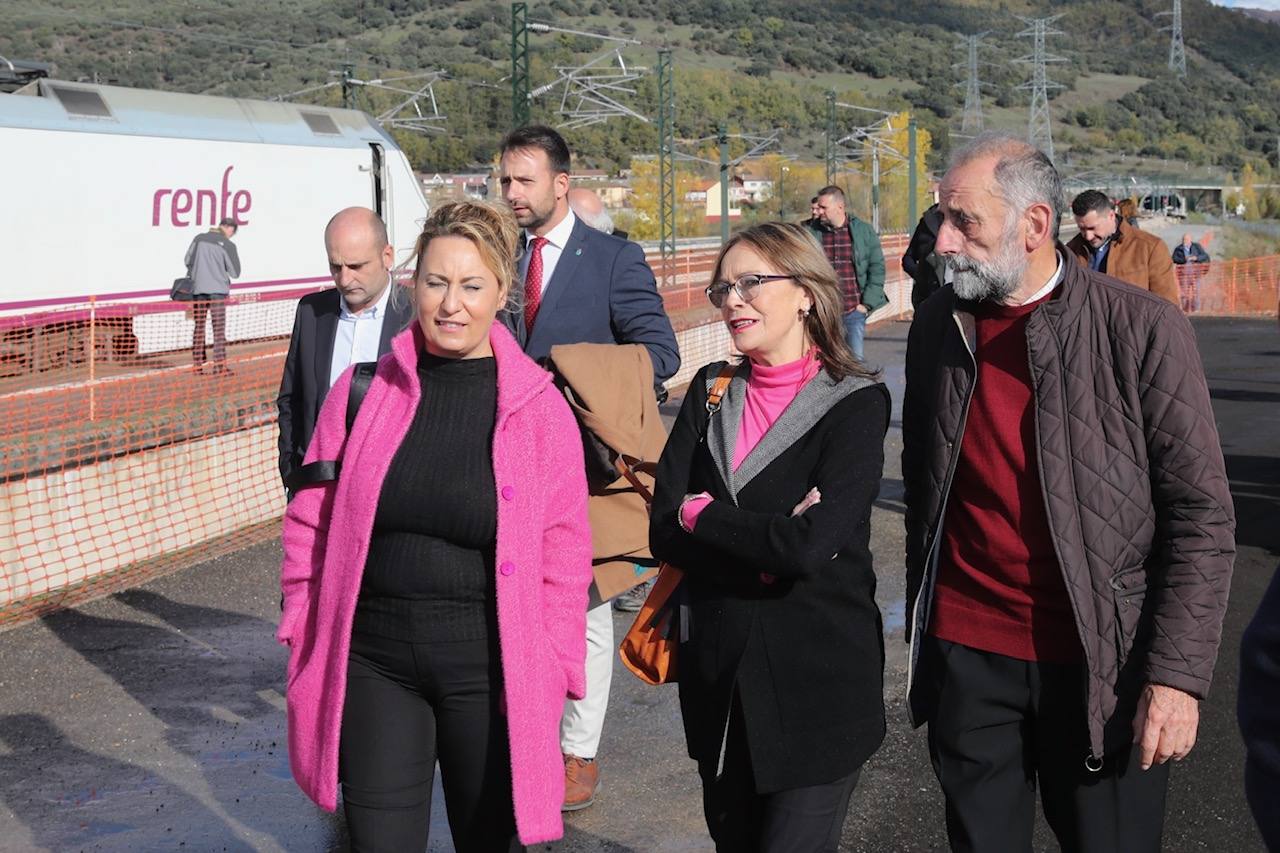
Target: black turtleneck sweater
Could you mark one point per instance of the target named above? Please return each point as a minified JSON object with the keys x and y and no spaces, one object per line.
{"x":429,"y":574}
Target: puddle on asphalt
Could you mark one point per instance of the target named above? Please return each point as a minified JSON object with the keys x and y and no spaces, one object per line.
{"x":895,"y":616}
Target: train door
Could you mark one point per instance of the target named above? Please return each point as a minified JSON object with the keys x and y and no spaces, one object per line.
{"x":379,"y":175}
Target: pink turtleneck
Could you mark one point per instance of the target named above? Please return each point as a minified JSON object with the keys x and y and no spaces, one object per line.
{"x":769,"y":391}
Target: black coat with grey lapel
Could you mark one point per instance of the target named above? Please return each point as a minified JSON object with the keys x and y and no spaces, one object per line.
{"x":804,"y":646}
{"x":601,"y":292}
{"x":305,"y":381}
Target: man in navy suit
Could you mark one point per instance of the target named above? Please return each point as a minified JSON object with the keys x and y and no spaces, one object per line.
{"x":580,"y":286}
{"x":335,"y":328}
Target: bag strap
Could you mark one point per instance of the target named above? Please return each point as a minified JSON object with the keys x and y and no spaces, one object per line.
{"x":720,"y":387}
{"x":715,"y":394}
{"x":361,"y":379}
{"x":629,"y":466}
{"x":327,"y":470}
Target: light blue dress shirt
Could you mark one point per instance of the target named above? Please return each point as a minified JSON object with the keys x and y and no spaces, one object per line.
{"x":358,"y":335}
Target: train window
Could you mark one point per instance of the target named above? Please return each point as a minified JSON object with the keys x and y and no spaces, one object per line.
{"x":82,"y":102}
{"x":320,"y":123}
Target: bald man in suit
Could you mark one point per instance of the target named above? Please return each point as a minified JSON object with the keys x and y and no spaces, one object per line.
{"x":335,"y":328}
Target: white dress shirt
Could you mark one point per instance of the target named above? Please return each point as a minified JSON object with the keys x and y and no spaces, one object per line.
{"x":358,"y":335}
{"x":557,"y":238}
{"x":1048,"y":287}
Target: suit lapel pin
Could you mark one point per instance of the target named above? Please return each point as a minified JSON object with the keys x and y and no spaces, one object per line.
{"x":579,"y":252}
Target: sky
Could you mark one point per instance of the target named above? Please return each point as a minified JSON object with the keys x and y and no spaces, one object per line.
{"x":1273,"y":5}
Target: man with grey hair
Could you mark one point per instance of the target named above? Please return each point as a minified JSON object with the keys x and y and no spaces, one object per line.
{"x":588,"y":207}
{"x":1069,"y":529}
{"x":354,"y":321}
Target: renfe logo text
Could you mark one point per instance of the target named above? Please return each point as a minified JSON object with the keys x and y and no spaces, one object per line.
{"x":208,"y":206}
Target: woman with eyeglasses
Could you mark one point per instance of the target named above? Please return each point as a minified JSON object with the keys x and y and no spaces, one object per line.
{"x":765,"y":503}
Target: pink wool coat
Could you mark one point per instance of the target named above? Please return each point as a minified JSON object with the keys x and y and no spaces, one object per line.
{"x":543,"y":563}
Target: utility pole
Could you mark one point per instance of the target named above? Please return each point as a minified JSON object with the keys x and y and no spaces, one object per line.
{"x":722,"y":137}
{"x":1040,"y":121}
{"x":782,"y":193}
{"x":1177,"y":50}
{"x":913,"y":180}
{"x":875,"y":188}
{"x":348,"y":88}
{"x":666,"y":165}
{"x":831,"y":136}
{"x":972,"y":122}
{"x":519,"y":65}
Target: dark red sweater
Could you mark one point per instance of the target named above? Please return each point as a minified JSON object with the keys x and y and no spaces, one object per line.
{"x":1000,"y":587}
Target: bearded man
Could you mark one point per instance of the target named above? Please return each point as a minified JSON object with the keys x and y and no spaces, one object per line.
{"x":1070,"y":534}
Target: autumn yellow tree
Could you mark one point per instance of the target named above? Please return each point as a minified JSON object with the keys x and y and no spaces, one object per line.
{"x":646,"y":225}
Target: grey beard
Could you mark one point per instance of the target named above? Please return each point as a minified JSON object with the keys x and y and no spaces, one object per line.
{"x":992,"y":280}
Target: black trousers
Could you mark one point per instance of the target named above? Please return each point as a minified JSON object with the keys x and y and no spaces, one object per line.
{"x":215,"y":307}
{"x":409,"y":705}
{"x":798,"y":820}
{"x":1003,"y":726}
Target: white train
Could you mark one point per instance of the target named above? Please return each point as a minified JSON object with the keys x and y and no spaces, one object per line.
{"x":103,"y":187}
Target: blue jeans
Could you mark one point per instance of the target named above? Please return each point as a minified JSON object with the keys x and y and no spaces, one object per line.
{"x":855,"y":329}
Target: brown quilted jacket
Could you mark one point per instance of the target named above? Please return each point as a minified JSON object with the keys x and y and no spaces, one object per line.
{"x":1131,"y":472}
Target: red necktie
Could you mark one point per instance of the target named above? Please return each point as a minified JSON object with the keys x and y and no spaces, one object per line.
{"x":533,"y":282}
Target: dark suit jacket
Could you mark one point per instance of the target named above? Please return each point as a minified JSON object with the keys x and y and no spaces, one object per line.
{"x":306,"y":369}
{"x":602,"y":292}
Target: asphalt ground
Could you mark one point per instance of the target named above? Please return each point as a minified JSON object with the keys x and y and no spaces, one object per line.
{"x":153,"y":719}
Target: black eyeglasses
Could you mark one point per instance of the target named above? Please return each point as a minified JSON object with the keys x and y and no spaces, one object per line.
{"x":748,"y":286}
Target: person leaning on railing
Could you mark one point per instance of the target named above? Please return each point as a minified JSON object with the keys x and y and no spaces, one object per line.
{"x":435,"y":592}
{"x":765,"y":505}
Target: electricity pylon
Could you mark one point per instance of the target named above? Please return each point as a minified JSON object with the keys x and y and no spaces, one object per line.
{"x":1039,"y":120}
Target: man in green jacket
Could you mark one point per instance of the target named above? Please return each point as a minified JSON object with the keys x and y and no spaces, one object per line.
{"x":854,"y":250}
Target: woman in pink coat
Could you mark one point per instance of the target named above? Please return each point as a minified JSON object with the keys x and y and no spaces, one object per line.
{"x":435,"y":592}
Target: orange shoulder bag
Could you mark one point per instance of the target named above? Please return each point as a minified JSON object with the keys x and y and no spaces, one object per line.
{"x":649,"y":647}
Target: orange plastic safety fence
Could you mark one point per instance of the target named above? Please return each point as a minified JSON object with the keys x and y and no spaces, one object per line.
{"x":1237,"y":288}
{"x":123,"y":458}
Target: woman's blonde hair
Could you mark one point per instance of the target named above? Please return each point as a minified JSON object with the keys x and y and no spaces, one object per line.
{"x":794,"y":251}
{"x":491,"y":228}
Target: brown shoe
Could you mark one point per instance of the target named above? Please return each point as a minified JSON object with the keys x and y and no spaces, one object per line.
{"x":581,"y":782}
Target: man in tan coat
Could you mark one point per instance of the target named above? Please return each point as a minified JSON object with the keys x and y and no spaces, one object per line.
{"x":1108,"y":244}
